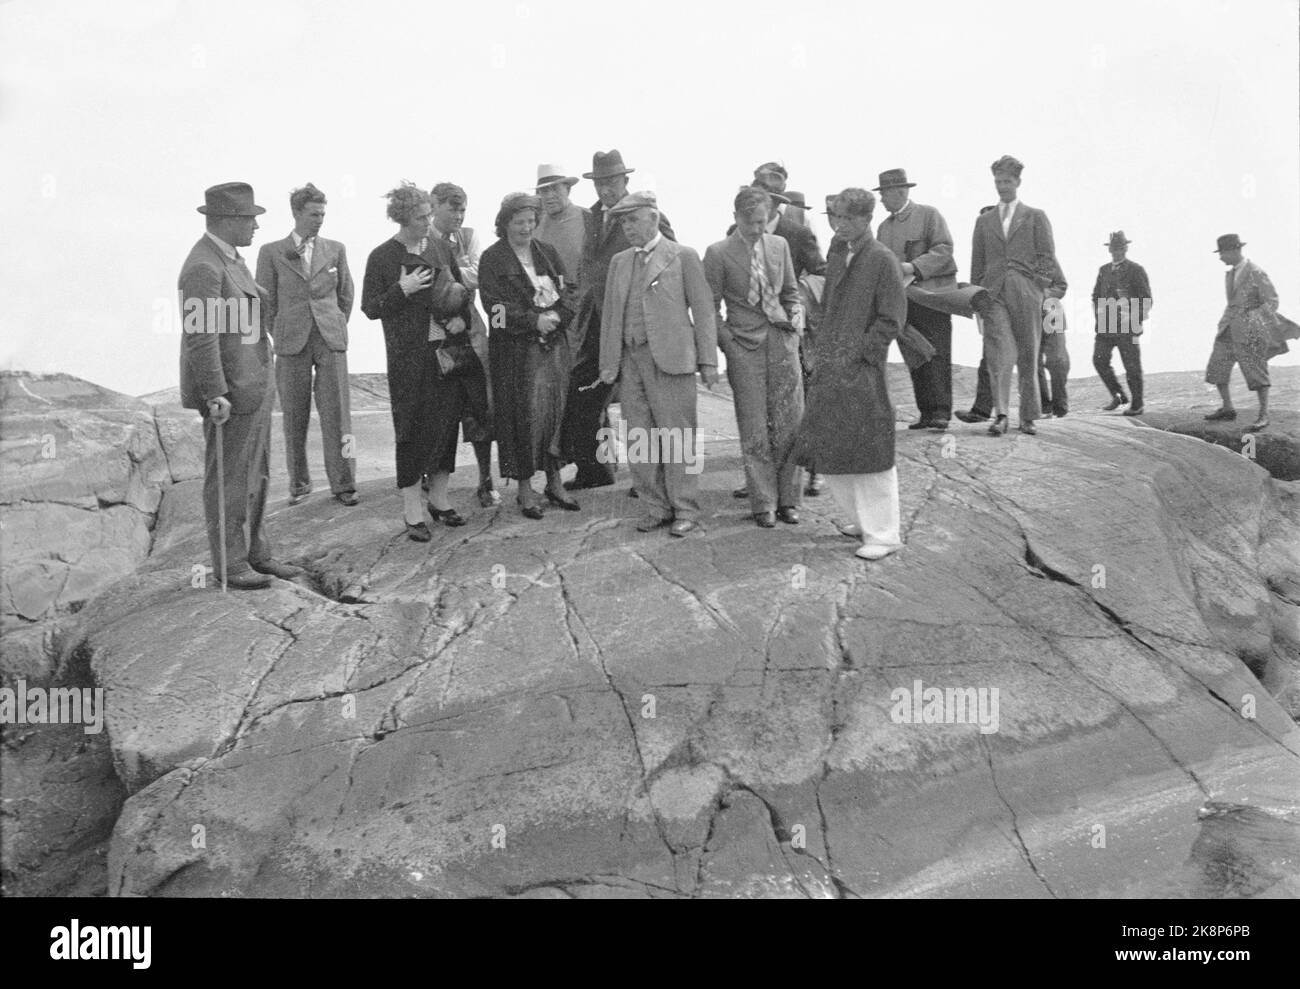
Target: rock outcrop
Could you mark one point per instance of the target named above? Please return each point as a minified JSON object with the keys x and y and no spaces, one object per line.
{"x":570,"y":708}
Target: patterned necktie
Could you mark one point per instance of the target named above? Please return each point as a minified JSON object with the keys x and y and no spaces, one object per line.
{"x":305,"y":250}
{"x":760,"y":289}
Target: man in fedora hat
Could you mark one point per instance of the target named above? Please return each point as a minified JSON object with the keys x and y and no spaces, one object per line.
{"x":586,"y":412}
{"x":918,"y":235}
{"x":772,"y":176}
{"x":1250,"y":332}
{"x":309,"y":295}
{"x":226,"y":377}
{"x":1121,"y":302}
{"x":657,"y":330}
{"x":1013,"y":255}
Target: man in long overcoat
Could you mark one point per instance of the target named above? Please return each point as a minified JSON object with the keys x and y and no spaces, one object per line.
{"x":848,"y":425}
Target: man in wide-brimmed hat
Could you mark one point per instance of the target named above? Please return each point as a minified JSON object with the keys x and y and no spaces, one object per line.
{"x":1250,"y":331}
{"x":1121,"y":301}
{"x":226,"y":376}
{"x":564,"y":224}
{"x":586,"y":411}
{"x":918,"y":235}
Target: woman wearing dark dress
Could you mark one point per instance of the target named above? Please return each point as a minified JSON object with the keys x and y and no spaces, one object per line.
{"x":528,"y":303}
{"x":412,"y":286}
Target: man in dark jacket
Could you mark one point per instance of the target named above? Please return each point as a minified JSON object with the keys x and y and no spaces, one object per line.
{"x":1121,"y":300}
{"x":586,"y":410}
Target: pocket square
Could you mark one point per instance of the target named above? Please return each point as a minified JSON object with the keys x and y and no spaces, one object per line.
{"x":334,"y":270}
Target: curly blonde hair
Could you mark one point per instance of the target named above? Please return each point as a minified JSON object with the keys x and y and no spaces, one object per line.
{"x":404,"y":200}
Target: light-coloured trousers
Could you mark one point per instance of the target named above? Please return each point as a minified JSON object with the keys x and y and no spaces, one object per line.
{"x":871,"y":501}
{"x":1013,"y":330}
{"x":294,"y":380}
{"x":651,"y":399}
{"x":767,"y":386}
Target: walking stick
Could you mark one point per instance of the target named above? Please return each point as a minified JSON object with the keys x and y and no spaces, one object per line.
{"x":221,"y":503}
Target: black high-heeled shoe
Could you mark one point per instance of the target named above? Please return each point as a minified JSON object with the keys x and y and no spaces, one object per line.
{"x":568,"y":504}
{"x":447,"y":516}
{"x":999,"y":427}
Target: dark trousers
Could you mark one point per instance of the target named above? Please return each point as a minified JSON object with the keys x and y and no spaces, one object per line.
{"x":983,"y":404}
{"x":294,"y":380}
{"x":1055,"y":364}
{"x":932,"y":381}
{"x":586,"y":413}
{"x":1130,"y":353}
{"x":246,"y":455}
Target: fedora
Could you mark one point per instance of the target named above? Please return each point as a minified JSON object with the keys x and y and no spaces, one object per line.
{"x":1229,"y":242}
{"x":778,"y":198}
{"x":795,"y":199}
{"x":1117,"y":239}
{"x":895,"y":178}
{"x":230,"y":199}
{"x":552,"y":174}
{"x":606,"y":165}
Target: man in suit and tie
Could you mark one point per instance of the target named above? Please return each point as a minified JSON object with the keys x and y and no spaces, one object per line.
{"x":226,"y":376}
{"x":751,"y":270}
{"x":1013,"y":255}
{"x":1250,"y":332}
{"x":309,"y":297}
{"x":657,"y":330}
{"x":586,"y":410}
{"x":1121,"y":300}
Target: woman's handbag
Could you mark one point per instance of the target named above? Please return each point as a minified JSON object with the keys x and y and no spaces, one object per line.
{"x":456,"y":358}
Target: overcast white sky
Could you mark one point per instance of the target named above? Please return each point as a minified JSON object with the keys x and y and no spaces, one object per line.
{"x":1176,"y":122}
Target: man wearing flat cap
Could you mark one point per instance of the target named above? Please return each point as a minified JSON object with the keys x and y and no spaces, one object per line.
{"x":1121,"y":302}
{"x":586,"y":412}
{"x":657,"y":330}
{"x":1250,"y":332}
{"x":226,"y":376}
{"x":1013,"y":255}
{"x":918,"y":235}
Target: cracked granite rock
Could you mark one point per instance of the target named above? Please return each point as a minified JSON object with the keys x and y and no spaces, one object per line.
{"x":569,"y":708}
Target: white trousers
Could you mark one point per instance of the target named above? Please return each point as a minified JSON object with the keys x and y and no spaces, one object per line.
{"x":871,"y":501}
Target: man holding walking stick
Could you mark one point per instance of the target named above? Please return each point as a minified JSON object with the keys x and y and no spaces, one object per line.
{"x":226,"y":376}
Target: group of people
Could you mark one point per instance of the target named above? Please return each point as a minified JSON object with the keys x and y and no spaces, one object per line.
{"x":527,"y":343}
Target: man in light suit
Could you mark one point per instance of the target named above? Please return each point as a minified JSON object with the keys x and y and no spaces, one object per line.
{"x":656,"y":331}
{"x":1014,"y":257}
{"x":226,"y":376}
{"x":753,"y":272}
{"x":1250,"y":332}
{"x":309,"y":299}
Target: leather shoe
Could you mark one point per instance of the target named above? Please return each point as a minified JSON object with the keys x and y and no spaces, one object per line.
{"x":419,"y":532}
{"x":649,"y":523}
{"x":1136,"y":410}
{"x":348,"y":498}
{"x":920,"y":424}
{"x":853,"y":530}
{"x":971,"y":416}
{"x":631,"y":493}
{"x":1115,"y":402}
{"x":582,"y":484}
{"x":568,"y":504}
{"x":740,"y":492}
{"x":999,"y":427}
{"x":1259,"y":425}
{"x":815,"y":484}
{"x":531,"y":511}
{"x":1028,"y":427}
{"x":487,"y":495}
{"x":285,"y":571}
{"x":298,"y":499}
{"x":874,"y":551}
{"x":1059,"y":414}
{"x":788,"y":514}
{"x":937,"y":424}
{"x":765,"y":520}
{"x":247,"y":580}
{"x":1223,"y":415}
{"x":682,"y":526}
{"x":447,"y":516}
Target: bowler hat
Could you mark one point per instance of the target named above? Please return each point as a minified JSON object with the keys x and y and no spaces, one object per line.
{"x":1117,"y":239}
{"x":230,"y":199}
{"x":1229,"y":242}
{"x":635,"y":200}
{"x":552,"y":174}
{"x":894,"y":178}
{"x":606,"y":165}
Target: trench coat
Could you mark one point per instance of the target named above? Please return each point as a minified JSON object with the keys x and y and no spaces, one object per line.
{"x":530,"y":382}
{"x":848,"y":423}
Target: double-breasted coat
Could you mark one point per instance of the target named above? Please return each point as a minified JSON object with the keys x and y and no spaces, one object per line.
{"x":848,"y":423}
{"x":529,"y":381}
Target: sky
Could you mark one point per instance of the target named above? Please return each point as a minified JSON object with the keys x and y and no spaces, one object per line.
{"x":1174,"y":122}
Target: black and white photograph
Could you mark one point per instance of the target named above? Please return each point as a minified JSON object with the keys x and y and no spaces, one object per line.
{"x":561,"y":450}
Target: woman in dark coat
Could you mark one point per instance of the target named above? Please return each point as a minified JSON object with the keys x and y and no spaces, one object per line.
{"x":528,"y":303}
{"x":848,"y":425}
{"x":411,"y":285}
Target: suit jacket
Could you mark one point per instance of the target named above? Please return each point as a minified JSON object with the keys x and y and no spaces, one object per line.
{"x":1027,"y":249}
{"x":220,"y":354}
{"x":727,"y":268}
{"x":1128,"y":282}
{"x":1251,"y":314}
{"x":680,"y":328}
{"x":295,"y":302}
{"x":848,"y":424}
{"x":804,"y":252}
